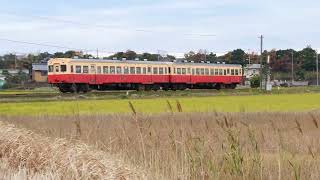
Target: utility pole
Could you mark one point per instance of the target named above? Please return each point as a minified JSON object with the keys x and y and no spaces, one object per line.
{"x":261,"y":58}
{"x":205,"y":55}
{"x":249,"y":56}
{"x":97,"y":53}
{"x":292,"y":67}
{"x":317,"y":66}
{"x":15,"y":60}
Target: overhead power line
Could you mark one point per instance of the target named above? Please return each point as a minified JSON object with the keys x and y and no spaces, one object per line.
{"x":108,"y":27}
{"x":38,"y":44}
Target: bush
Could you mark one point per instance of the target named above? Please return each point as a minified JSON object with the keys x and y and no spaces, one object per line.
{"x":255,"y":82}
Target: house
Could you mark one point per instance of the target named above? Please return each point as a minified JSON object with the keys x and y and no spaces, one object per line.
{"x":252,"y":70}
{"x":40,"y":72}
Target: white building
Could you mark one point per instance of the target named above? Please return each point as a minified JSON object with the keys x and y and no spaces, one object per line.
{"x":252,"y":70}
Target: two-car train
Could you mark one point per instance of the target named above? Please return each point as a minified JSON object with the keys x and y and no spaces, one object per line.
{"x":81,"y":75}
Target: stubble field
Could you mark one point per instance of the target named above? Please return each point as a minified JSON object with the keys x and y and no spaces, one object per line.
{"x":223,"y":137}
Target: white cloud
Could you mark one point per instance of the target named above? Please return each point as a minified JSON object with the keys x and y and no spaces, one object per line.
{"x":237,"y":24}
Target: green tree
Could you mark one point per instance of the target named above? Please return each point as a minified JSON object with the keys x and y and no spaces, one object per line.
{"x":212,"y":57}
{"x":238,"y":56}
{"x":130,"y":55}
{"x":308,"y":57}
{"x":149,"y":57}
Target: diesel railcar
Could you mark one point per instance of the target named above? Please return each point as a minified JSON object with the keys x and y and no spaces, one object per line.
{"x":81,"y":75}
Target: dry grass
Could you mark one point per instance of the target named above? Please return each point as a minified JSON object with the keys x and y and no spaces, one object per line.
{"x":192,"y":145}
{"x":26,"y":154}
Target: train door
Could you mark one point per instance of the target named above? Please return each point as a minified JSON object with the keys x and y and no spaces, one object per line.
{"x":169,"y":72}
{"x":93,"y":74}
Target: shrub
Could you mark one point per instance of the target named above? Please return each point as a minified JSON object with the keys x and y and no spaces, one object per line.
{"x":255,"y":82}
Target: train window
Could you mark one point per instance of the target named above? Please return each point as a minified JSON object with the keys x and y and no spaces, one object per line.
{"x":126,"y":70}
{"x":240,"y":71}
{"x":63,"y":68}
{"x":237,"y":72}
{"x":224,"y":72}
{"x":192,"y":71}
{"x":85,"y":69}
{"x":155,"y":70}
{"x":216,"y":72}
{"x":78,"y":69}
{"x":93,"y":69}
{"x":178,"y":70}
{"x":132,"y":70}
{"x":99,"y":69}
{"x":56,"y":68}
{"x":149,"y":70}
{"x":202,"y":71}
{"x":189,"y":70}
{"x":161,"y":70}
{"x":212,"y":71}
{"x":105,"y":69}
{"x":232,"y":71}
{"x":174,"y":70}
{"x":197,"y":71}
{"x":71,"y":69}
{"x":112,"y":69}
{"x":144,"y":70}
{"x":228,"y":71}
{"x":184,"y":71}
{"x":165,"y":71}
{"x":119,"y":70}
{"x":207,"y":71}
{"x":220,"y":72}
{"x":138,"y":70}
{"x":50,"y":68}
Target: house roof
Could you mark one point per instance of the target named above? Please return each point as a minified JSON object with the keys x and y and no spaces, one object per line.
{"x":40,"y":67}
{"x":253,"y":66}
{"x":14,"y":71}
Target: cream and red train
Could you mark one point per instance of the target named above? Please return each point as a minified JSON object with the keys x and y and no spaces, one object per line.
{"x":75,"y":75}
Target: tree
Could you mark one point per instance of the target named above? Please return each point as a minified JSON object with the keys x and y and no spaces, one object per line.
{"x":58,"y":55}
{"x":149,"y":57}
{"x":130,"y":55}
{"x":118,"y":55}
{"x":300,"y":74}
{"x":212,"y":57}
{"x":308,"y":56}
{"x":238,"y":56}
{"x":281,"y":60}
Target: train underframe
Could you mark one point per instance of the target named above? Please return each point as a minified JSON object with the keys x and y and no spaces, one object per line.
{"x":84,"y":88}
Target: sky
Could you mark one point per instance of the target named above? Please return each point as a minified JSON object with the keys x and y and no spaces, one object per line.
{"x":173,"y":26}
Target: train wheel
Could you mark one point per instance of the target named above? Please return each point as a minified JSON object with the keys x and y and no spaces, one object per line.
{"x":147,"y":87}
{"x":73,"y":88}
{"x":84,"y":88}
{"x":63,"y":90}
{"x":182,"y":87}
{"x":141,"y":87}
{"x":155,"y":87}
{"x":217,"y":86}
{"x":233,"y":86}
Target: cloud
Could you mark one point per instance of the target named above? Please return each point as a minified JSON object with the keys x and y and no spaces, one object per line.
{"x":169,"y":25}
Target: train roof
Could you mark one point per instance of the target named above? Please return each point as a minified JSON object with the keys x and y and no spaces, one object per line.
{"x":147,"y":62}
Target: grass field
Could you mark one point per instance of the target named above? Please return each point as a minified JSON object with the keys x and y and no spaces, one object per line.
{"x":255,"y":103}
{"x":174,"y":146}
{"x":161,"y":135}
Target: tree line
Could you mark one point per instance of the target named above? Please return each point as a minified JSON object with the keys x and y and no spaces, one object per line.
{"x":280,"y":60}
